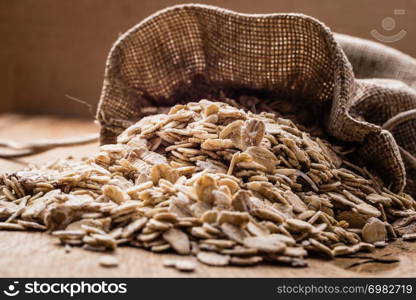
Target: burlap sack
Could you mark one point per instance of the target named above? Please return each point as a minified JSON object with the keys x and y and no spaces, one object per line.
{"x":187,"y":50}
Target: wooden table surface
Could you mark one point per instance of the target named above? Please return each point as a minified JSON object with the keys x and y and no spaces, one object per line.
{"x":33,"y":254}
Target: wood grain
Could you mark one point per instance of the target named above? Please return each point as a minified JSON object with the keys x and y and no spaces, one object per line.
{"x":33,"y":254}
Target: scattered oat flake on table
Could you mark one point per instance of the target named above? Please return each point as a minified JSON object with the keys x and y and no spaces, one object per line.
{"x":180,"y":264}
{"x":108,"y":261}
{"x":409,"y":236}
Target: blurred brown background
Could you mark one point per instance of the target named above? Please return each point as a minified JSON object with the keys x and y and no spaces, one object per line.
{"x":53,"y":48}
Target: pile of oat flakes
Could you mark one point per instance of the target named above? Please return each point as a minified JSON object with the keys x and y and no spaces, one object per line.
{"x":215,"y":181}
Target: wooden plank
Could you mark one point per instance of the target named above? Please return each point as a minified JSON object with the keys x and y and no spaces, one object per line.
{"x":33,"y":254}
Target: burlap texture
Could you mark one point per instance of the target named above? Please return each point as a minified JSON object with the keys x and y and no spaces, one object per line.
{"x":186,"y":50}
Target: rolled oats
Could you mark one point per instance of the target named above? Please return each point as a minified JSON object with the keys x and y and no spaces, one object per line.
{"x":215,"y":181}
{"x":108,"y":261}
{"x":267,"y":244}
{"x":374,"y":231}
{"x":178,"y":240}
{"x":245,"y":261}
{"x":213,"y":259}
